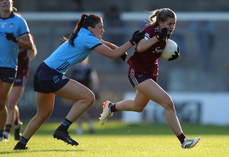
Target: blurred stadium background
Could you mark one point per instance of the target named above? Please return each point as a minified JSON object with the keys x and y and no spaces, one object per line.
{"x":198,"y":82}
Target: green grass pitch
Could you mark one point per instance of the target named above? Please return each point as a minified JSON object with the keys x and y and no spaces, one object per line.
{"x":116,"y":139}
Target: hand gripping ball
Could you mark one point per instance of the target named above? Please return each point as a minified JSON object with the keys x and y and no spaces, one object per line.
{"x":170,"y":49}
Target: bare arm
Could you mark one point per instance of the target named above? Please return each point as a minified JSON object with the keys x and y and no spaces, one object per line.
{"x":32,"y":53}
{"x":112,"y":51}
{"x":25,"y":42}
{"x":145,"y":44}
{"x":109,"y":44}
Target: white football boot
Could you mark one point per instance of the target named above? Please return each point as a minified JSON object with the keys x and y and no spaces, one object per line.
{"x":6,"y":135}
{"x":2,"y":139}
{"x":190,"y":143}
{"x":106,"y":112}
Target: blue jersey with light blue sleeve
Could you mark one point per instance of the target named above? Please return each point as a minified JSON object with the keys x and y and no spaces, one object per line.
{"x":66,"y":55}
{"x":9,"y":49}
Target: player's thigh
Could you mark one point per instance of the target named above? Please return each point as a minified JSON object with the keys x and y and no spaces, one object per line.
{"x":74,"y":90}
{"x":141,"y":100}
{"x":153,"y":91}
{"x":5,"y":89}
{"x":15,"y":94}
{"x":45,"y":103}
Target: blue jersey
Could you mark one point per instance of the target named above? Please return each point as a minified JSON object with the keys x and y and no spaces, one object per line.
{"x":9,"y":49}
{"x":66,"y":55}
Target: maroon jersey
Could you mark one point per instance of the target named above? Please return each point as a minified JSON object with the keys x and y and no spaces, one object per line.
{"x":23,"y":64}
{"x":146,"y":63}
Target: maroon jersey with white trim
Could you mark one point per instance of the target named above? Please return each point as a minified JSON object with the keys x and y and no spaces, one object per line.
{"x":146,"y":63}
{"x":23,"y":63}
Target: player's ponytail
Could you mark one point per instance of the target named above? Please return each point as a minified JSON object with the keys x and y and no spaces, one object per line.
{"x":161,"y":15}
{"x":152,"y":18}
{"x":74,"y":34}
{"x":85,"y":22}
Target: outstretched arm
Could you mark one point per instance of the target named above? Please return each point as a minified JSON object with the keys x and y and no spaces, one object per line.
{"x":109,"y":44}
{"x":112,"y":51}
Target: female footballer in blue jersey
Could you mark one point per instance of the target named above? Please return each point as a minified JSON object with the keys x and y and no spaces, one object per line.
{"x":14,"y":32}
{"x":49,"y":77}
{"x":13,"y":118}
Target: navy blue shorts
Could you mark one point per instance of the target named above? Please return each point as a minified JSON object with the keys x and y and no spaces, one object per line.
{"x":7,"y":74}
{"x":48,"y":80}
{"x":135,"y":79}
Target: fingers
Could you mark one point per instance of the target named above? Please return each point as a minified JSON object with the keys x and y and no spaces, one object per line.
{"x":123,"y":57}
{"x":174,"y":56}
{"x":136,"y":31}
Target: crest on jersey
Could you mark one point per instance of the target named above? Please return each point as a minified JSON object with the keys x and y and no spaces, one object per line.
{"x":11,"y":25}
{"x":147,"y":36}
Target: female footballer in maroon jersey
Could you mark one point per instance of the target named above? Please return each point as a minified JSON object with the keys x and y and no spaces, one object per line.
{"x":143,"y":73}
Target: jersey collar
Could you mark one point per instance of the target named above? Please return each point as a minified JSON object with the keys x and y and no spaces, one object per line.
{"x":11,"y":16}
{"x":84,"y":30}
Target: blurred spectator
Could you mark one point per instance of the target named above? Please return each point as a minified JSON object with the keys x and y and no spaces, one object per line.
{"x":114,"y":27}
{"x":113,"y":17}
{"x":85,"y":74}
{"x":76,"y":7}
{"x":205,"y":39}
{"x":179,"y":38}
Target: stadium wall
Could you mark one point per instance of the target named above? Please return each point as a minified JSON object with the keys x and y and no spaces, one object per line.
{"x":199,"y":108}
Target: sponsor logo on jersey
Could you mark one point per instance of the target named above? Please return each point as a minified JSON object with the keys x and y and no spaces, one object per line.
{"x":2,"y":24}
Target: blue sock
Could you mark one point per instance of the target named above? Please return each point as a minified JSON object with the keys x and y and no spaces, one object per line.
{"x":65,"y":125}
{"x":23,"y":140}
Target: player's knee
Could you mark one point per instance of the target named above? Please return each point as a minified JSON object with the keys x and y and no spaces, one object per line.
{"x":90,"y":99}
{"x":168,"y":104}
{"x":2,"y":106}
{"x":139,"y":108}
{"x":44,"y":115}
{"x":10,"y":107}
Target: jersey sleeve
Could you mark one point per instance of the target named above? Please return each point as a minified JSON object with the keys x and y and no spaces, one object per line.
{"x":92,"y":42}
{"x":149,"y":32}
{"x":24,"y":29}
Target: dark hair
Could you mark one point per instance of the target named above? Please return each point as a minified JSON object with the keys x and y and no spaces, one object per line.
{"x":85,"y":22}
{"x":161,"y":15}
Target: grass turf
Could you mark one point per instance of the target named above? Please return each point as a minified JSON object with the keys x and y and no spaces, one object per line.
{"x":118,"y":139}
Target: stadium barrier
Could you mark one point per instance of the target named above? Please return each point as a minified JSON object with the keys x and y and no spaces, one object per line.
{"x":192,"y":107}
{"x":125,"y":16}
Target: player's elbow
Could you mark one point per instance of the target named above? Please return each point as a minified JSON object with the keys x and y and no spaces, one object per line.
{"x":113,"y":56}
